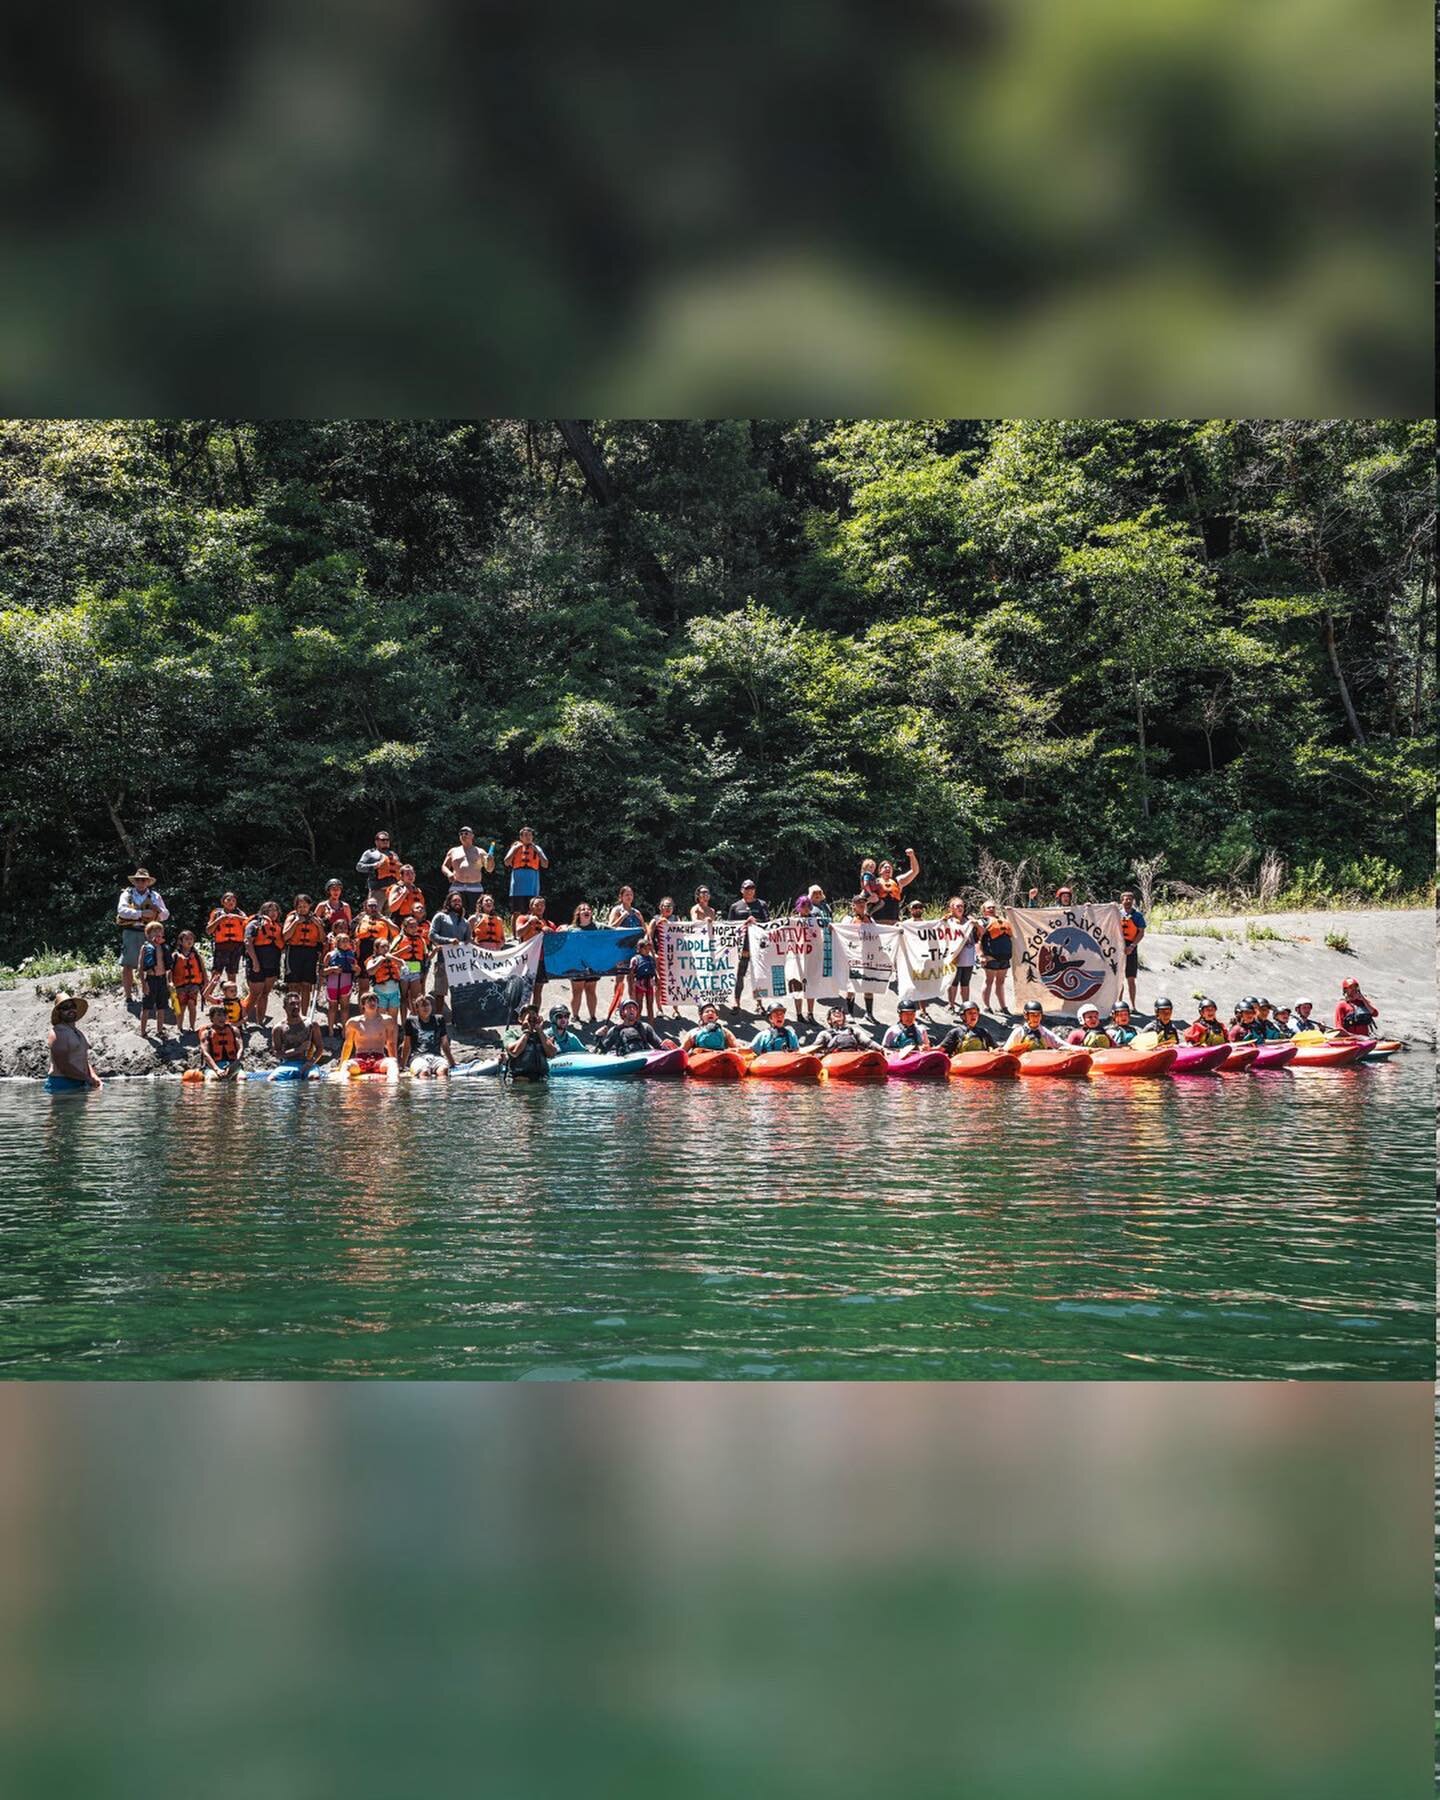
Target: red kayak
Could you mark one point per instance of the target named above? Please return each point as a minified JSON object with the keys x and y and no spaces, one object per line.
{"x":1055,"y":1062}
{"x":983,"y":1065}
{"x":715,"y":1065}
{"x":1276,"y":1056}
{"x":1239,"y":1058}
{"x":919,"y":1065}
{"x":1133,"y":1062}
{"x":1199,"y":1059}
{"x":855,"y":1065}
{"x":1329,"y":1056}
{"x":785,"y":1065}
{"x":665,"y":1062}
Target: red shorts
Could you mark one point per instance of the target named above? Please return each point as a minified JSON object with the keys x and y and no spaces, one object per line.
{"x":368,"y":1065}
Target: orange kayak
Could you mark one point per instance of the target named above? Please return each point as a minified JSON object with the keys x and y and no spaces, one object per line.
{"x":1240,"y":1058}
{"x":1055,"y":1062}
{"x":1133,"y":1062}
{"x":715,"y":1065}
{"x":785,"y":1065}
{"x":983,"y":1065}
{"x":1329,"y":1056}
{"x":855,"y":1065}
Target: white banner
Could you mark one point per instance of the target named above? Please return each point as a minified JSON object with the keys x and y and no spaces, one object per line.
{"x":698,"y":962}
{"x":869,"y":952}
{"x":927,"y":956}
{"x":489,"y":986}
{"x":1065,"y":955}
{"x":799,"y":950}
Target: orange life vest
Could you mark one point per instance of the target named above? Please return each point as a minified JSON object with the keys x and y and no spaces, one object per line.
{"x":368,"y":926}
{"x":527,"y":927}
{"x":227,"y":927}
{"x":524,"y":856}
{"x":186,"y":969}
{"x":385,"y":968}
{"x":413,"y":945}
{"x":305,"y":933}
{"x":487,"y":928}
{"x":1128,"y":928}
{"x":222,"y":1043}
{"x":386,"y":870}
{"x":267,"y":931}
{"x":402,"y":898}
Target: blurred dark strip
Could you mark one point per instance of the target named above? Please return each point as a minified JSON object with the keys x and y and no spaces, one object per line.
{"x":939,"y":207}
{"x":835,"y":1591}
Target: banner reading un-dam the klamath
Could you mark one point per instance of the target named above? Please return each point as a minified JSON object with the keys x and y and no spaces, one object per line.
{"x":1066,"y":955}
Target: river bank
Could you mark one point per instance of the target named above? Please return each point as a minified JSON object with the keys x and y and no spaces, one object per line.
{"x":1282,"y":955}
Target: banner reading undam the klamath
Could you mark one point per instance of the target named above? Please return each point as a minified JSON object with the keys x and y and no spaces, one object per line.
{"x":869,"y":953}
{"x":797,"y":950}
{"x":927,"y":956}
{"x":698,"y":962}
{"x":488,"y":987}
{"x":1066,"y":955}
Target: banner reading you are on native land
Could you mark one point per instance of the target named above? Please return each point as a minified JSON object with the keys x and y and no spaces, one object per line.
{"x":786,"y":950}
{"x":1066,"y":955}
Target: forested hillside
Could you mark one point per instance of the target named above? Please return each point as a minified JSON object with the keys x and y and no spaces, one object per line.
{"x":686,"y":650}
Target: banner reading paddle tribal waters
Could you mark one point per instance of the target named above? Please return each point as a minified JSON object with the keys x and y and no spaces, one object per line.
{"x":698,"y":962}
{"x":927,"y":956}
{"x":488,"y":987}
{"x":869,"y":951}
{"x":1065,"y":955}
{"x":789,"y":950}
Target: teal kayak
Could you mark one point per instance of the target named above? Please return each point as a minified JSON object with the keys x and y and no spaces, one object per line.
{"x":600,"y":1068}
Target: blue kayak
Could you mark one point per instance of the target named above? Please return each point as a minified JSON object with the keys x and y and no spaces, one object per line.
{"x":601,"y":1068}
{"x":489,"y":1065}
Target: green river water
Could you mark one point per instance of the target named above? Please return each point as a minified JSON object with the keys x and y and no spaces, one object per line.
{"x":1275,"y":1225}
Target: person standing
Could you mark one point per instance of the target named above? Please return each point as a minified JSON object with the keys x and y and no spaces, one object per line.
{"x":334,"y":912}
{"x":138,"y":906}
{"x":525,"y":859}
{"x":969,"y":929}
{"x":996,"y":947}
{"x":188,"y":977}
{"x":466,"y":865}
{"x":226,"y":930}
{"x":702,"y":912}
{"x":624,"y":915}
{"x":1132,"y":929}
{"x":1355,"y":1015}
{"x":264,"y":936}
{"x":380,"y":867}
{"x":583,"y":919}
{"x":155,"y":973}
{"x":72,"y":1067}
{"x":449,"y":926}
{"x":748,"y":909}
{"x":892,"y":889}
{"x":487,"y":928}
{"x":304,"y":937}
{"x":534,"y":923}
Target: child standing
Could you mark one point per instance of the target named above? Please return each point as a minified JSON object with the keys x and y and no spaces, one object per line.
{"x":154,"y":968}
{"x":187,"y":972}
{"x":339,"y":980}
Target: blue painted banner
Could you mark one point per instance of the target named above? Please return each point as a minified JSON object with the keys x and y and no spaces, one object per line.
{"x":583,"y":955}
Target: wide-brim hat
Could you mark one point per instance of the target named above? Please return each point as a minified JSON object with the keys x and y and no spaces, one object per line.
{"x":78,"y":1001}
{"x":142,"y":874}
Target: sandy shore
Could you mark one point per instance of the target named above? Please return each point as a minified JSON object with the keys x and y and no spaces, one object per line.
{"x":1393,"y":953}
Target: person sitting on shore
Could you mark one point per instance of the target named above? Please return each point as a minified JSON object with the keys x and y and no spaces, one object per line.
{"x":487,"y":928}
{"x":187,"y":975}
{"x":1032,"y":1033}
{"x":628,"y":1033}
{"x":304,"y":937}
{"x":908,"y":1033}
{"x":1165,"y":1028}
{"x":567,"y":1042}
{"x":380,"y":867}
{"x":225,"y":929}
{"x":334,"y":912}
{"x":139,"y":905}
{"x":369,"y":1045}
{"x":996,"y":947}
{"x":1091,"y":1034}
{"x":425,"y":1049}
{"x":295,"y":1041}
{"x":263,"y":939}
{"x":72,"y":1068}
{"x":1207,"y":1031}
{"x":774,"y":1034}
{"x":340,"y":963}
{"x":528,"y":1047}
{"x":466,"y":865}
{"x":710,"y":1034}
{"x":1355,"y":1016}
{"x":221,"y":1050}
{"x":839,"y":1034}
{"x":971,"y":1034}
{"x":154,"y":968}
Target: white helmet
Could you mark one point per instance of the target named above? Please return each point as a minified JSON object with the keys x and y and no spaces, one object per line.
{"x":1088,"y":1008}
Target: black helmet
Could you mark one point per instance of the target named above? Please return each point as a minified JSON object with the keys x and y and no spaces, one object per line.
{"x":1205,"y":1001}
{"x":1032,"y":1006}
{"x":1262,"y":1003}
{"x":1164,"y":1000}
{"x":560,"y":1012}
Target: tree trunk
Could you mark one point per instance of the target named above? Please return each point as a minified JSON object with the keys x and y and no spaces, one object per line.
{"x":1340,"y":681}
{"x":113,"y":808}
{"x":1144,"y":769}
{"x":1419,"y":703}
{"x":6,"y":860}
{"x":591,"y":464}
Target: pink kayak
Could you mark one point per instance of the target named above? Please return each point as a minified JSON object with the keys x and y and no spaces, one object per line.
{"x":1199,"y":1059}
{"x":664,"y":1062}
{"x":1275,"y":1056}
{"x":920,"y":1065}
{"x":1239,"y":1058}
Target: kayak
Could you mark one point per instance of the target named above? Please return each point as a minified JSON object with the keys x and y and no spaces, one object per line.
{"x":1055,"y":1062}
{"x":785,"y":1065}
{"x":1133,"y":1062}
{"x":1382,"y":1050}
{"x":601,"y":1068}
{"x":855,"y":1065}
{"x":983,"y":1065}
{"x":1275,"y":1056}
{"x":1239,"y":1057}
{"x":715,"y":1065}
{"x":919,"y":1065}
{"x":661,"y":1063}
{"x":1199,"y":1059}
{"x":483,"y":1065}
{"x":1328,"y":1056}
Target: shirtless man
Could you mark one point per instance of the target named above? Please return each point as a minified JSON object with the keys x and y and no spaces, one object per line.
{"x":466,"y":865}
{"x":71,"y":1067}
{"x":295,"y":1042}
{"x":370,"y":1040}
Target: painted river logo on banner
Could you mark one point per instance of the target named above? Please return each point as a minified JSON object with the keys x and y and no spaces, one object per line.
{"x":1065,"y":956}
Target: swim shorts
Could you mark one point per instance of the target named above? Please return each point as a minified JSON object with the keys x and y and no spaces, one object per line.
{"x":64,"y":1084}
{"x":388,"y":993}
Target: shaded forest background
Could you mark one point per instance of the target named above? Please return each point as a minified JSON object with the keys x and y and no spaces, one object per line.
{"x":687,"y":650}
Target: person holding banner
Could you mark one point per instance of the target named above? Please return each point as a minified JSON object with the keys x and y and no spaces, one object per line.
{"x":702,"y":912}
{"x":1031,"y":1033}
{"x":965,"y":955}
{"x":583,"y":919}
{"x":996,"y":949}
{"x":747,"y":909}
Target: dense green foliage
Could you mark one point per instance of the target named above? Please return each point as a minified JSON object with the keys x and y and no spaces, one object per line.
{"x":688,"y":649}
